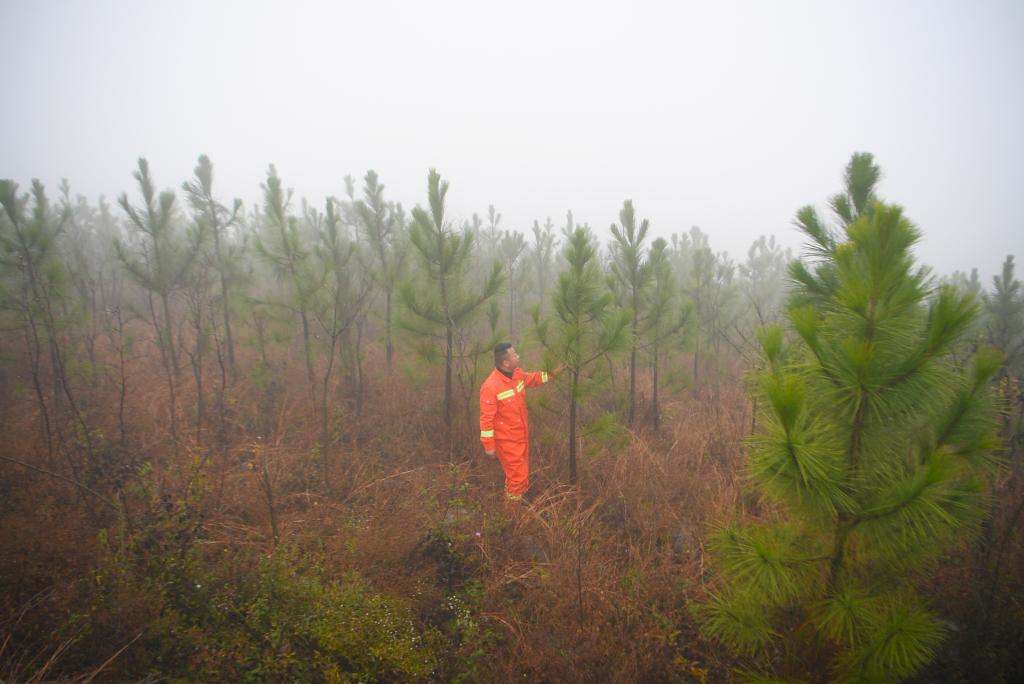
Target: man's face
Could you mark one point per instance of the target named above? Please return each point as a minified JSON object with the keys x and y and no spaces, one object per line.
{"x":511,"y":361}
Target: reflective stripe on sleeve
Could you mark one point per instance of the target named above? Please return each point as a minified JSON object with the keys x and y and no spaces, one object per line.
{"x":506,"y":394}
{"x":487,"y":433}
{"x":543,"y":376}
{"x":520,"y":386}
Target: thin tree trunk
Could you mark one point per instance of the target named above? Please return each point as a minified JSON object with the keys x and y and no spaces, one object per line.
{"x":470,"y":386}
{"x":225,"y":304}
{"x":171,"y":351}
{"x":172,"y":394}
{"x":268,"y":493}
{"x":572,"y":426}
{"x":324,"y":426}
{"x":222,"y":426}
{"x":511,"y":306}
{"x":325,"y":407}
{"x":654,"y":391}
{"x":696,"y":359}
{"x":307,"y":350}
{"x":123,"y":380}
{"x":448,"y":351}
{"x":173,"y":408}
{"x":155,"y":320}
{"x":91,"y":332}
{"x":169,"y":371}
{"x":197,"y":372}
{"x":261,"y":340}
{"x":54,"y":375}
{"x":448,"y":379}
{"x":308,"y":353}
{"x":835,"y":564}
{"x":842,"y":529}
{"x":32,"y":338}
{"x":388,"y":345}
{"x":65,"y":385}
{"x":632,"y":383}
{"x":632,"y":360}
{"x":360,"y":379}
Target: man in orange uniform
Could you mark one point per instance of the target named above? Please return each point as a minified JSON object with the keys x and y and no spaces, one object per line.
{"x":504,"y":428}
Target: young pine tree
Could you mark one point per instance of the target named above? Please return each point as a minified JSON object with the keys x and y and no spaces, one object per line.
{"x":631,"y":278}
{"x":663,"y":318}
{"x":1005,"y":308}
{"x":158,"y":259}
{"x":215,"y":218}
{"x":34,"y":297}
{"x":707,"y":285}
{"x":87,"y":259}
{"x":382,"y":226}
{"x":586,"y":324}
{"x":511,"y":248}
{"x":761,"y":288}
{"x":541,"y":260}
{"x":281,"y":246}
{"x":336,"y":309}
{"x":873,"y":451}
{"x":446,"y":303}
{"x":763,"y":278}
{"x":968,"y":282}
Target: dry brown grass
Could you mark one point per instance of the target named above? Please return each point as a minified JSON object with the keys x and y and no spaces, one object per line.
{"x":585,"y":580}
{"x":585,"y":583}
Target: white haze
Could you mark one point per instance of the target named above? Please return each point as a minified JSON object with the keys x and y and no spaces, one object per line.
{"x":726,"y":115}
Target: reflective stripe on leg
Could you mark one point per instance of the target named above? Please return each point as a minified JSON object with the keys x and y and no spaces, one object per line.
{"x":515,"y":461}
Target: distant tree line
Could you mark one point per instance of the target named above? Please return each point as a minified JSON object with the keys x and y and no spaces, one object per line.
{"x":359,"y":274}
{"x":207,"y":275}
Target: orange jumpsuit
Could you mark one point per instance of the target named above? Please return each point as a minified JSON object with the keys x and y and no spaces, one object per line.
{"x":504,"y":427}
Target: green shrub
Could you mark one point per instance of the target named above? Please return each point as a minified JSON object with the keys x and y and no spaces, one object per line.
{"x":282,"y":620}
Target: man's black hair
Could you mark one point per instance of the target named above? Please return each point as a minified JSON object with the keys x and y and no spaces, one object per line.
{"x":500,"y":351}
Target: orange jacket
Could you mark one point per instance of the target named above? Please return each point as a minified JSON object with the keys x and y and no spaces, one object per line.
{"x":503,"y":406}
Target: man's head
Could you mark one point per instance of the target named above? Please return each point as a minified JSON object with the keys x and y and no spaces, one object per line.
{"x":505,"y":357}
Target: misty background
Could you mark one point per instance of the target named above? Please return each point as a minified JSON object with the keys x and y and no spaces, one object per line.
{"x":728,"y":117}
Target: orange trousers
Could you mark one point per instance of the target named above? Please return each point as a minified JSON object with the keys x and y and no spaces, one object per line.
{"x":515,"y":461}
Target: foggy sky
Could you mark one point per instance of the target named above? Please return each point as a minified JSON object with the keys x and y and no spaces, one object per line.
{"x":728,"y":117}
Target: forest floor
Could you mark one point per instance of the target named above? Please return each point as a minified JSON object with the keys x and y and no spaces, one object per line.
{"x":214,"y":547}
